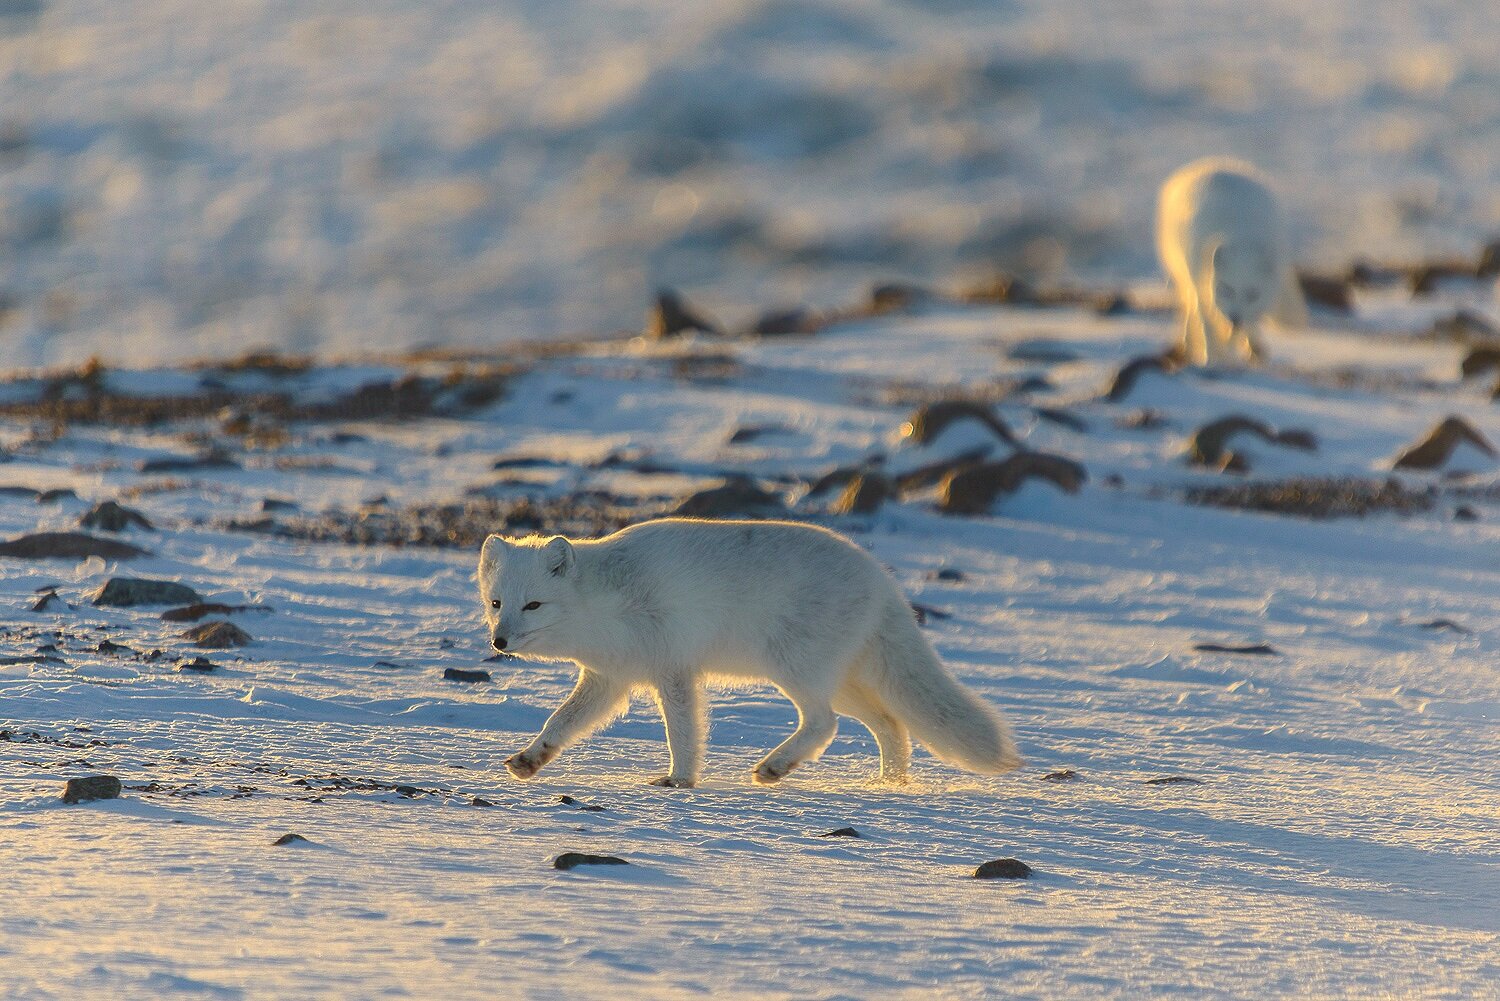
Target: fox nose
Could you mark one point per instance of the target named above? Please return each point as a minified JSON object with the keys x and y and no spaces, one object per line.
{"x":499,"y":642}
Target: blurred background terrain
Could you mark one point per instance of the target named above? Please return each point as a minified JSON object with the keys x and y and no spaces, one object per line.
{"x":181,"y":179}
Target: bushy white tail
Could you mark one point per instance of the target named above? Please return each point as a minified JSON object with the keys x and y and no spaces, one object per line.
{"x":944,"y":716}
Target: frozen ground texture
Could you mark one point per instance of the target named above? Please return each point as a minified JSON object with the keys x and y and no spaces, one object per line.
{"x":1339,"y":840}
{"x":176,"y":176}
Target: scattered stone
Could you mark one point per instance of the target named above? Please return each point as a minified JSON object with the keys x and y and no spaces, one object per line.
{"x":567,"y":800}
{"x":50,"y":602}
{"x":68,"y":546}
{"x":1258,"y":649}
{"x":126,"y":592}
{"x":214,"y":458}
{"x":864,"y":494}
{"x":951,"y":575}
{"x":1174,"y":780}
{"x":746,"y":434}
{"x":24,"y":493}
{"x":927,"y":422}
{"x":936,"y":472}
{"x":91,"y":787}
{"x":1447,"y":625}
{"x":1438,"y":447}
{"x":1209,"y":444}
{"x":1130,"y":373}
{"x":112,"y":649}
{"x":572,"y":860}
{"x":462,"y":674}
{"x":1330,"y":292}
{"x":111,"y":517}
{"x":1466,"y":326}
{"x":1489,"y":260}
{"x":1479,"y":360}
{"x":842,"y":832}
{"x":1316,"y":497}
{"x":787,"y":323}
{"x":898,"y":297}
{"x":277,"y":504}
{"x":200,"y":664}
{"x":1426,"y":278}
{"x":672,"y":316}
{"x":1003,"y":868}
{"x":526,"y":462}
{"x":1042,"y":352}
{"x":1064,"y":775}
{"x":194,"y":612}
{"x":480,"y":801}
{"x":1465,"y":513}
{"x":736,"y":496}
{"x":219,"y":635}
{"x":973,"y":490}
{"x":290,"y":839}
{"x":57,"y":494}
{"x":1003,"y":288}
{"x":1063,"y":418}
{"x":837,"y":478}
{"x":1113,"y":304}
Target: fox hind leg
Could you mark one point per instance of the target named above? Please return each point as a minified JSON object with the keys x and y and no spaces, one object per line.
{"x":817,"y":724}
{"x":890,"y":734}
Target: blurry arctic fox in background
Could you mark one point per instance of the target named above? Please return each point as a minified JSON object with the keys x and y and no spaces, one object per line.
{"x":666,"y":605}
{"x":1221,"y":241}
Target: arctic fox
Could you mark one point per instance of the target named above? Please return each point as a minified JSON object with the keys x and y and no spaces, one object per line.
{"x":666,"y":605}
{"x":1220,"y":239}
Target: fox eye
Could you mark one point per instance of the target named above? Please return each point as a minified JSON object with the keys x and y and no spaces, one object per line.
{"x":495,"y":603}
{"x":531,"y":606}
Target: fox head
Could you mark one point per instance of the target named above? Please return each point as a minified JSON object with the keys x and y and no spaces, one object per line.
{"x":528,"y":587}
{"x":1241,"y":282}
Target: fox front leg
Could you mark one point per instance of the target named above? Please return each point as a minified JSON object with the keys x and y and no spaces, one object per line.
{"x":685,"y":714}
{"x":594,"y":701}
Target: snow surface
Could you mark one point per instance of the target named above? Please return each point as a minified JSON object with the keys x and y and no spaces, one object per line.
{"x":1339,"y":841}
{"x":178,"y":175}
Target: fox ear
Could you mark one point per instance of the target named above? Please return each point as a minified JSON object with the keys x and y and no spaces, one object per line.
{"x":490,"y":551}
{"x":560,"y":556}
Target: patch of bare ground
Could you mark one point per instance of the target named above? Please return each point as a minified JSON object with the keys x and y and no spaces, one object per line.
{"x":1317,"y":497}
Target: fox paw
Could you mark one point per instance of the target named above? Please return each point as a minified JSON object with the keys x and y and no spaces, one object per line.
{"x":767,"y":774}
{"x":524,"y":764}
{"x":672,"y":782}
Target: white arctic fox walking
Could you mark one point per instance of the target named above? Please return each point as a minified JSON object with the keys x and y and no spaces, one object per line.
{"x":1220,"y":238}
{"x":667,"y":604}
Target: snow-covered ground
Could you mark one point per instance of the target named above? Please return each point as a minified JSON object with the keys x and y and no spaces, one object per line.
{"x":177,"y":175}
{"x":1339,"y":839}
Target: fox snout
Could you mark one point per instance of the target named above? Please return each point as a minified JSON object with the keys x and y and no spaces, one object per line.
{"x":498,"y":642}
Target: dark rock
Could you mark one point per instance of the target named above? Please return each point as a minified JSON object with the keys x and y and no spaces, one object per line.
{"x":526,"y":462}
{"x":194,"y":612}
{"x":1005,"y":289}
{"x":1465,"y":513}
{"x":1479,"y":360}
{"x":1438,"y":447}
{"x":736,"y":496}
{"x":57,"y":494}
{"x":480,"y":801}
{"x":1170,"y":780}
{"x":1330,"y":292}
{"x":1446,"y":625}
{"x":200,"y":664}
{"x":949,"y":574}
{"x":112,"y":649}
{"x":1130,"y":373}
{"x":125,"y":592}
{"x":672,"y":316}
{"x":1113,"y":304}
{"x":864,"y":494}
{"x":842,"y":832}
{"x":1466,"y":326}
{"x":68,"y":546}
{"x":1426,"y":278}
{"x":572,"y":860}
{"x":24,"y":493}
{"x":1209,"y":444}
{"x":746,"y":434}
{"x":460,"y":674}
{"x":91,"y":787}
{"x":111,"y":517}
{"x":973,"y":490}
{"x":1258,"y":649}
{"x":567,"y":800}
{"x":1063,"y":418}
{"x":212,"y":459}
{"x":1489,"y":260}
{"x":276,"y":504}
{"x":936,"y":472}
{"x":837,"y":478}
{"x":219,"y":635}
{"x":1064,"y":775}
{"x":926,"y":423}
{"x":1316,"y":497}
{"x":1003,"y":868}
{"x":50,"y":602}
{"x":787,"y":323}
{"x":290,"y":839}
{"x":898,"y":297}
{"x":1044,"y":352}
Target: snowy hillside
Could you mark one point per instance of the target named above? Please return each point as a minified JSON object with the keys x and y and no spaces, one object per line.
{"x":1308,"y":811}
